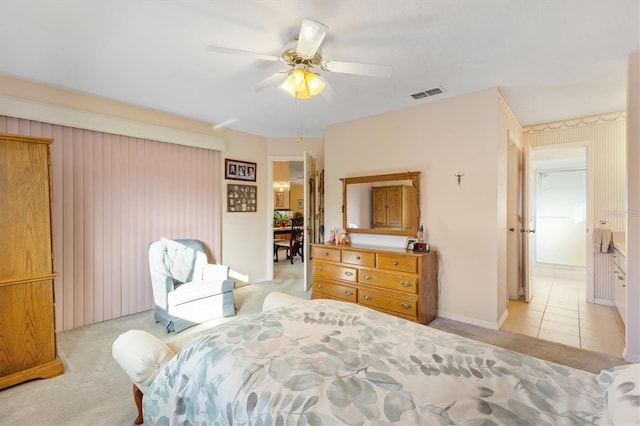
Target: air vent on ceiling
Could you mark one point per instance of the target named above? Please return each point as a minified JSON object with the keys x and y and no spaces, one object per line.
{"x":430,"y":92}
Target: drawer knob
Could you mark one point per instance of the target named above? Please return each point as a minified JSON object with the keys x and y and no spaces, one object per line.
{"x":318,"y":285}
{"x":405,"y":305}
{"x":348,"y":292}
{"x":395,"y":263}
{"x":318,"y":268}
{"x":367,"y":277}
{"x":349,"y":273}
{"x":405,"y":284}
{"x":367,"y":297}
{"x":326,"y":253}
{"x":357,"y":257}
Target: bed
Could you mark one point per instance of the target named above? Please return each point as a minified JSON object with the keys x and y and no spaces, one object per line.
{"x":325,"y":362}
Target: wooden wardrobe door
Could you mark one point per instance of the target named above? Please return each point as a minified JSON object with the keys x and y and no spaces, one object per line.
{"x":27,"y":324}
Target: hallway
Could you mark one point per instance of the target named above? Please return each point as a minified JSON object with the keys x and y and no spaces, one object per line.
{"x":559,"y":312}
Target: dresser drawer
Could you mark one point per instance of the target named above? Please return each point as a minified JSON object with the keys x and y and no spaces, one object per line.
{"x":406,"y":307}
{"x":360,"y":258}
{"x":334,"y":291}
{"x":398,"y":263}
{"x":326,"y":253}
{"x":406,"y":283}
{"x":334,"y":272}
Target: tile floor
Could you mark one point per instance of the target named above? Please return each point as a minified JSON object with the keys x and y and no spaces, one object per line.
{"x":559,"y":312}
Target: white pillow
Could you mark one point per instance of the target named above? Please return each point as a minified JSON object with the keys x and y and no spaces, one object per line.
{"x":622,"y":393}
{"x":141,"y":355}
{"x":212,"y":272}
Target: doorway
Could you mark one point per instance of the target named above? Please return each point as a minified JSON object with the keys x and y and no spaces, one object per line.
{"x":554,"y":230}
{"x":560,"y":209}
{"x":293,"y":197}
{"x":556,"y":234}
{"x":560,"y":218}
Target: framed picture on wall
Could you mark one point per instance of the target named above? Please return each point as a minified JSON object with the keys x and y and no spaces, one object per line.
{"x":300,"y":204}
{"x":242,"y":198}
{"x":281,"y":200}
{"x":239,"y":170}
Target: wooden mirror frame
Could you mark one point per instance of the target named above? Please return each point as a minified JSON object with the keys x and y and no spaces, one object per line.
{"x":415,"y":202}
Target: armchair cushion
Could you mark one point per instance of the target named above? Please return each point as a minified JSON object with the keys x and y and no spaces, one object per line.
{"x":195,"y":290}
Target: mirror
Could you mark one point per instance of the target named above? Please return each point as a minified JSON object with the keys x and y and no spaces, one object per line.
{"x":381,"y":204}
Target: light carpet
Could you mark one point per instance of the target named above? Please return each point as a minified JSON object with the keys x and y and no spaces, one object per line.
{"x":95,"y":391}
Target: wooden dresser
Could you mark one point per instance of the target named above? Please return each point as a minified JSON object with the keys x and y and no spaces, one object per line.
{"x":399,"y":282}
{"x":27,"y":326}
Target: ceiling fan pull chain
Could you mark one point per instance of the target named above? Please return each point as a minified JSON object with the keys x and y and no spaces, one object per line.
{"x":300,"y":137}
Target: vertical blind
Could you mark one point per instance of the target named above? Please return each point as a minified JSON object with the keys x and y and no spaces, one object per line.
{"x":112,"y":195}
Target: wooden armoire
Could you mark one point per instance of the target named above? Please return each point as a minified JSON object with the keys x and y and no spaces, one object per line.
{"x":27,"y":324}
{"x":391,"y":207}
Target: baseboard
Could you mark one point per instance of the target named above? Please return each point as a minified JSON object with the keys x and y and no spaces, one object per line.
{"x":607,"y":302}
{"x":632,"y":358}
{"x":469,"y":320}
{"x":568,"y":273}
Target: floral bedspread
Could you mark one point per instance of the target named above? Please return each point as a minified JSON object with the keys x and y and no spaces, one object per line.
{"x":325,"y":362}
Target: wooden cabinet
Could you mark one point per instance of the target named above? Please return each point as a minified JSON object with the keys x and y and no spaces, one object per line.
{"x":27,"y":326}
{"x":391,"y":207}
{"x":399,"y":282}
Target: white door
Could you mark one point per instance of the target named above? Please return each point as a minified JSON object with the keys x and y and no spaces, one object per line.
{"x":309,"y":215}
{"x":527,"y":229}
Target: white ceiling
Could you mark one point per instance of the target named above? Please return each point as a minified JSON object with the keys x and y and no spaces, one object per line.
{"x":552,"y":59}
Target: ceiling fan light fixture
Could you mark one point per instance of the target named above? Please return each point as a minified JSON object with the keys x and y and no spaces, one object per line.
{"x":297,"y":80}
{"x":315,"y":84}
{"x":311,"y":35}
{"x":302,"y":84}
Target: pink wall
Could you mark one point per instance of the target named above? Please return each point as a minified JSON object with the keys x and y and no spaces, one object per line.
{"x":112,"y":196}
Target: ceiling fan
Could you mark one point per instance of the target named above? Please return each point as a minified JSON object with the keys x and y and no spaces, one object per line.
{"x":303,"y":56}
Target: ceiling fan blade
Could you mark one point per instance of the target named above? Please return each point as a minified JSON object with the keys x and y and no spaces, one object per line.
{"x":272,"y":80}
{"x":311,"y":35}
{"x":220,"y":49}
{"x":371,"y":70}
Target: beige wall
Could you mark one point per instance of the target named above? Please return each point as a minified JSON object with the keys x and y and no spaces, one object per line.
{"x":243,"y":233}
{"x":247,"y":238}
{"x":466,"y":227}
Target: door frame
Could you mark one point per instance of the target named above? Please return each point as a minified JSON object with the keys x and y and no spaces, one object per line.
{"x":529,"y":170}
{"x":269,"y":225}
{"x":514,"y":218}
{"x":270,"y":206}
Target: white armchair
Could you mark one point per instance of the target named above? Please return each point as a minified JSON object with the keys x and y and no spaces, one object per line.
{"x":187,"y":290}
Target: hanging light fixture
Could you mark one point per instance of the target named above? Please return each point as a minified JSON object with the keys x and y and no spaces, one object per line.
{"x":303,"y":84}
{"x":281,"y":181}
{"x":281,"y":186}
